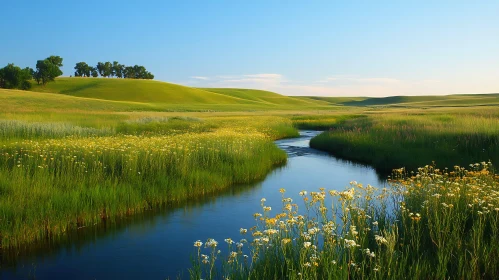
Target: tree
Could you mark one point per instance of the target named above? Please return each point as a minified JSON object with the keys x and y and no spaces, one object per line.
{"x":48,"y":69}
{"x":100,"y":68}
{"x":26,"y":76}
{"x":149,"y":76}
{"x":129,"y":72}
{"x":12,"y":76}
{"x":108,"y":69}
{"x":56,"y":60}
{"x":118,"y":69}
{"x":137,"y":72}
{"x":94,"y":72}
{"x":105,"y":69}
{"x":82,"y":69}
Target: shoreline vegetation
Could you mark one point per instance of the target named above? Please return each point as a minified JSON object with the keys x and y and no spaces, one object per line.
{"x":53,"y":185}
{"x":432,"y":224}
{"x":389,"y":141}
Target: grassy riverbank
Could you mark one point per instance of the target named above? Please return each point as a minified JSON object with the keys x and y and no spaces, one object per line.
{"x":400,"y":138}
{"x":57,"y":177}
{"x":437,"y":224}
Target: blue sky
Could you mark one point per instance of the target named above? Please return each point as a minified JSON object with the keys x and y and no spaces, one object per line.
{"x":336,"y":48}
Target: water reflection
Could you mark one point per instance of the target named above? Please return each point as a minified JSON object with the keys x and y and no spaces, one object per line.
{"x":158,"y":244}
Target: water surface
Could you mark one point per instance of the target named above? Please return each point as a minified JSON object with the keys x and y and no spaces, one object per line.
{"x":159,"y":245}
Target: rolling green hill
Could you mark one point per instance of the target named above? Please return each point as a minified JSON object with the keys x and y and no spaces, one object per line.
{"x":429,"y":101}
{"x":155,"y":92}
{"x":262,"y":96}
{"x":144,"y":91}
{"x":140,"y":95}
{"x":454,"y":100}
{"x":329,"y":100}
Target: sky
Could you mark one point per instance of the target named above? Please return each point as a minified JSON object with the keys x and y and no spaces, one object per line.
{"x":326,"y":48}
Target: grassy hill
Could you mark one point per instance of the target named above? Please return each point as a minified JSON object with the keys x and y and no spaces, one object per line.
{"x":329,"y":100}
{"x":156,"y":92}
{"x":263,"y":96}
{"x":454,"y":100}
{"x":145,"y":91}
{"x":429,"y":101}
{"x":148,"y":95}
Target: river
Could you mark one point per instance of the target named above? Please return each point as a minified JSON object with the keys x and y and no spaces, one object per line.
{"x":159,"y":245}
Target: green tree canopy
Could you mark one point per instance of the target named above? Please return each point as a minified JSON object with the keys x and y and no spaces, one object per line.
{"x":105,"y":69}
{"x":118,"y":69}
{"x":137,"y":72}
{"x":108,"y":69}
{"x":94,"y":72}
{"x":48,"y":69}
{"x":82,"y":69}
{"x":12,"y":76}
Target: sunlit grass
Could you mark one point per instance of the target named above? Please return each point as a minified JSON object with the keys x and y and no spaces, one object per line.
{"x":322,"y":122}
{"x":51,"y":183}
{"x":393,"y":140}
{"x":435,"y":224}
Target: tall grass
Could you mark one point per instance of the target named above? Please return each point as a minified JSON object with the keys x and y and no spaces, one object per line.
{"x":51,"y":186}
{"x":163,"y":125}
{"x":437,"y":224}
{"x":322,"y":122}
{"x":389,"y":141}
{"x":15,"y":129}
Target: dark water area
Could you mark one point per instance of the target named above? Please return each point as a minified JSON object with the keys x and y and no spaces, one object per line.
{"x":159,"y":245}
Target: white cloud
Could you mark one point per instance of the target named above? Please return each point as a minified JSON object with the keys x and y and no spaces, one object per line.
{"x":349,"y":80}
{"x":339,"y":85}
{"x":264,"y":76}
{"x":200,"y":78}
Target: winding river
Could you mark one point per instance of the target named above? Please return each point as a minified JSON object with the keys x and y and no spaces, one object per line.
{"x":159,"y":245}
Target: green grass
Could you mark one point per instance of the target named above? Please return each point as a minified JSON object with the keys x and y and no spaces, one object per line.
{"x":393,"y":140}
{"x":457,"y":100}
{"x":263,"y":96}
{"x":332,"y":100}
{"x":322,"y":122}
{"x":437,"y":224}
{"x":56,"y":177}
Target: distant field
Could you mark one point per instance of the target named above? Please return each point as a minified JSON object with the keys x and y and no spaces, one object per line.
{"x":263,"y":96}
{"x":332,"y":100}
{"x":455,"y":100}
{"x":429,"y":101}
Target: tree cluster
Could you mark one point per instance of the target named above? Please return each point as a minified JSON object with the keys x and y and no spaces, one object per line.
{"x":115,"y":69}
{"x":13,"y":77}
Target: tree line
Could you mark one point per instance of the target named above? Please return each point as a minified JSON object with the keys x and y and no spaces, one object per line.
{"x":15,"y":77}
{"x":115,"y":69}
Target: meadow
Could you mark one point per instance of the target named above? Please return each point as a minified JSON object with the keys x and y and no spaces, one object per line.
{"x":433,"y":224}
{"x":63,"y":177}
{"x":81,"y":151}
{"x":411,"y":138}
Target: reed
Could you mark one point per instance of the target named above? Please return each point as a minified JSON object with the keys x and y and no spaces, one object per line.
{"x":433,"y":224}
{"x":389,"y":141}
{"x":51,"y":185}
